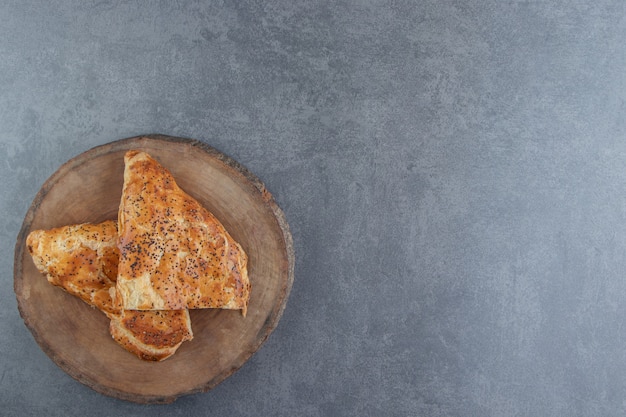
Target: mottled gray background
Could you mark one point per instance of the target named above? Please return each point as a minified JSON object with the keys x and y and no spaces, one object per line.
{"x":454,"y":174}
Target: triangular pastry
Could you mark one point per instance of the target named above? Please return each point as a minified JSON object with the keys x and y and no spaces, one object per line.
{"x":174,"y":254}
{"x":83,"y":260}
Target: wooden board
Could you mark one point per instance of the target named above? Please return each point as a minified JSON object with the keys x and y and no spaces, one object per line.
{"x":75,"y":336}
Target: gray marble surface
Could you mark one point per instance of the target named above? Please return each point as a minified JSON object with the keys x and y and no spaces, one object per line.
{"x":454,"y":174}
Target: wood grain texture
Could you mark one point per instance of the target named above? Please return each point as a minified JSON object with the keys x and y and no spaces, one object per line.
{"x":75,"y":336}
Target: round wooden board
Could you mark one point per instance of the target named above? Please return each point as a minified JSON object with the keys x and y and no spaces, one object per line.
{"x":75,"y":336}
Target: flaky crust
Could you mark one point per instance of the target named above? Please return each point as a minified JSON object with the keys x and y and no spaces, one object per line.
{"x":82,"y":259}
{"x":151,"y":335}
{"x":174,"y":254}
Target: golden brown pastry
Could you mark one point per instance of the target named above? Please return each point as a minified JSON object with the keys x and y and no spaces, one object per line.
{"x":151,"y":335}
{"x":83,"y":259}
{"x":174,"y":254}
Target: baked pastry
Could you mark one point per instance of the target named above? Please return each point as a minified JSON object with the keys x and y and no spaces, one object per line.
{"x":174,"y":254}
{"x":82,"y":259}
{"x":151,"y":335}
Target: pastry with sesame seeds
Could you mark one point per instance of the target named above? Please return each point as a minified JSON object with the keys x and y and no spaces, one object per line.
{"x":174,"y":253}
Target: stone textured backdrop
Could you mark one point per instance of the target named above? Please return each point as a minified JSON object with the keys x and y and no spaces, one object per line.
{"x":453,"y":173}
